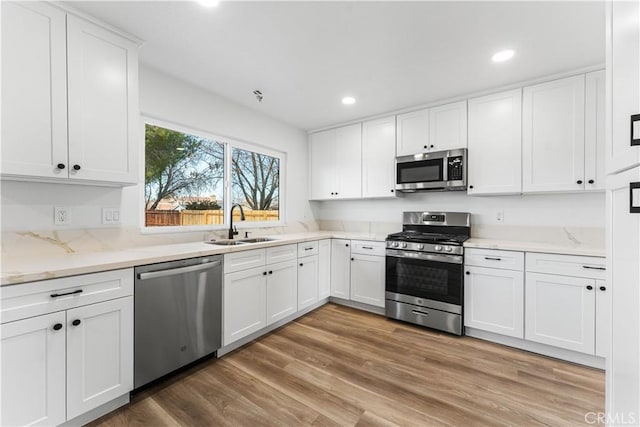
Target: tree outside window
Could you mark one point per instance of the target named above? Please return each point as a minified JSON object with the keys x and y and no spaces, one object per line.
{"x":255,"y":180}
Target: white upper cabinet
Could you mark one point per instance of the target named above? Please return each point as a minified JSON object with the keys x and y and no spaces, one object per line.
{"x":412,"y":132}
{"x":378,"y":157}
{"x":448,"y":126}
{"x":103,"y":103}
{"x":495,"y":143}
{"x":34,"y":90}
{"x":623,"y":66}
{"x":70,"y":98}
{"x":553,"y":135}
{"x":336,"y":163}
{"x":594,"y":136}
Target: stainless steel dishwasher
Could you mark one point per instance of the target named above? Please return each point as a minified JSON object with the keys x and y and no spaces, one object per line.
{"x":178,"y":315}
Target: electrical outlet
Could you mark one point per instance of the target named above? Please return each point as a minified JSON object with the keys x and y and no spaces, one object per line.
{"x":60,"y":215}
{"x":500,"y":216}
{"x":110,"y":216}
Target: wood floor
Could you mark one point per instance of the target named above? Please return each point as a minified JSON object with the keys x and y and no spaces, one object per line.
{"x":339,"y":366}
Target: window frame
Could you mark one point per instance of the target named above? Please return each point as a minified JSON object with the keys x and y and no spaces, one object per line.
{"x":229,"y":144}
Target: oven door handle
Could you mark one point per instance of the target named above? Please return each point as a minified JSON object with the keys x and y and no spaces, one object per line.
{"x":451,"y":259}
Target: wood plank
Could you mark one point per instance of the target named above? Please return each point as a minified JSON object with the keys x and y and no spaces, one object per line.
{"x":338,"y":366}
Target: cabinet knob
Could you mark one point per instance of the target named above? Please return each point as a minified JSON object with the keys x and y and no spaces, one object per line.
{"x":264,"y":273}
{"x":76,"y":167}
{"x":392,"y":190}
{"x":603,"y":288}
{"x":351,"y":259}
{"x":467,"y":273}
{"x":425,"y":146}
{"x":589,"y":287}
{"x":471,"y":186}
{"x":332,"y":193}
{"x":301,"y":264}
{"x":336,"y":193}
{"x":57,"y":326}
{"x":270,"y":272}
{"x":431,"y":146}
{"x":76,"y":322}
{"x":347,"y":245}
{"x":591,"y":181}
{"x":61,"y":166}
{"x":579,"y":181}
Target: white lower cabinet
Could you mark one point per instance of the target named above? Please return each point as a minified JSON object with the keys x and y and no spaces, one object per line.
{"x":340,"y":268}
{"x":282,"y":290}
{"x":33,"y":371}
{"x":367,"y":279}
{"x":560,"y":311}
{"x":245,"y":303}
{"x":307,"y":281}
{"x":60,"y":365}
{"x":99,"y":354}
{"x":494,"y":300}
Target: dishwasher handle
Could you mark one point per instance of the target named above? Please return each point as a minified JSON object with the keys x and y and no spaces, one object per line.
{"x":179,"y":270}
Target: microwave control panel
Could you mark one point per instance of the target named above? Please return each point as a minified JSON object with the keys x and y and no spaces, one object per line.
{"x":454,"y":168}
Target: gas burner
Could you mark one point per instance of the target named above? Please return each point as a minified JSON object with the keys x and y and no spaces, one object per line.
{"x":432,"y":232}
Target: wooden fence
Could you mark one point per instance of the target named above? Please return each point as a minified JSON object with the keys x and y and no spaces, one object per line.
{"x":159,"y":218}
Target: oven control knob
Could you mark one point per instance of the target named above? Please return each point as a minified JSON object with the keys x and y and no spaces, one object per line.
{"x":438,"y":248}
{"x":448,"y":249}
{"x":404,"y":245}
{"x":395,"y":244}
{"x":420,"y":246}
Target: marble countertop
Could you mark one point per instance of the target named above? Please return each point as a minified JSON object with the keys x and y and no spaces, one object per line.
{"x":528,"y":246}
{"x":34,"y":268}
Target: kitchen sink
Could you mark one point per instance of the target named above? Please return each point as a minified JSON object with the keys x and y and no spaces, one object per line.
{"x":256,"y":240}
{"x":225,"y":242}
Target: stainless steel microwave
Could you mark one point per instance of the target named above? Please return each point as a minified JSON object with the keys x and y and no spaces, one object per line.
{"x":437,"y":171}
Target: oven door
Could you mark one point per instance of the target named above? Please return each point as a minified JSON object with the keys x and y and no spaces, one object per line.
{"x":425,"y":279}
{"x":427,"y":172}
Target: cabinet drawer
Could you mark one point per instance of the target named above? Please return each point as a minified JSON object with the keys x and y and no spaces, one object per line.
{"x":567,"y":265}
{"x":48,"y":296}
{"x":508,"y":260}
{"x":307,"y":248}
{"x":242,"y":260}
{"x":366,"y":247}
{"x":282,"y":253}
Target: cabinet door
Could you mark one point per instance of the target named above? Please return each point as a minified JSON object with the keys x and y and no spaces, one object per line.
{"x":412,"y":132}
{"x":340,"y":268}
{"x":244,"y":308}
{"x":623,"y":66}
{"x":378,"y":157}
{"x":367,"y":279}
{"x":324,"y":268}
{"x":103,"y":107}
{"x":99,"y":354}
{"x":323,"y":178}
{"x":348,"y":160}
{"x":603,"y":318}
{"x":594,"y":136}
{"x":494,"y":300}
{"x":32,"y":379}
{"x":560,"y":311}
{"x":553,"y":136}
{"x":495,"y":138}
{"x":282,"y":290}
{"x":448,"y":126}
{"x":34,"y":90}
{"x":307,"y":281}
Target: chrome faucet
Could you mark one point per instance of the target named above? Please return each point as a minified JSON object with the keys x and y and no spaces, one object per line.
{"x":234,"y":231}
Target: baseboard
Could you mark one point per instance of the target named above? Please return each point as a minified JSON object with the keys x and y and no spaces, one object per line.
{"x":242,"y":341}
{"x":98,"y":412}
{"x":357,"y":305}
{"x":534,"y":347}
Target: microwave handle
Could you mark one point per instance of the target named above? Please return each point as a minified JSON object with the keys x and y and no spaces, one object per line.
{"x":445,"y":168}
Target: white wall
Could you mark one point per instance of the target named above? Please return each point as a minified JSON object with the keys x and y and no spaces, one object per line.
{"x":29,"y":206}
{"x":579,"y":210}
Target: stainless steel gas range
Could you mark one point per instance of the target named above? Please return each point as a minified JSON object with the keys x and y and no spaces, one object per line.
{"x":424,"y":270}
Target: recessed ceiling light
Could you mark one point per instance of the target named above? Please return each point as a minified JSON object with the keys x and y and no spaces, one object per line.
{"x":503,"y":55}
{"x":348,"y":100}
{"x":209,"y":3}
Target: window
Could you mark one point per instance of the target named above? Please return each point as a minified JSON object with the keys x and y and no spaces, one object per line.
{"x":185,"y":176}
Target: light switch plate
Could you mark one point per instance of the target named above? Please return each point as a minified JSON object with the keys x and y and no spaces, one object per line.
{"x":110,"y":216}
{"x":60,"y":215}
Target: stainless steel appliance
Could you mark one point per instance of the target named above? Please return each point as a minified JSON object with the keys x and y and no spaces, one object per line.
{"x":178,"y":315}
{"x":437,"y":171}
{"x":424,"y":270}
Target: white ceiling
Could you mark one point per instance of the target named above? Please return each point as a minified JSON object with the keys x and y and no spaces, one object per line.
{"x":305,"y":56}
